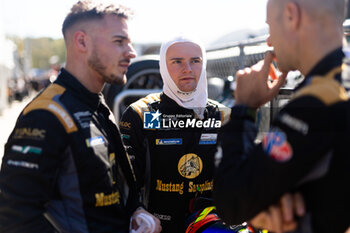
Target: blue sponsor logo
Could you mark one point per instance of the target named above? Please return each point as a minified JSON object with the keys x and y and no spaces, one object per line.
{"x":275,"y":144}
{"x":208,"y":139}
{"x":91,"y":142}
{"x":151,"y":120}
{"x":169,"y":141}
{"x":204,"y":142}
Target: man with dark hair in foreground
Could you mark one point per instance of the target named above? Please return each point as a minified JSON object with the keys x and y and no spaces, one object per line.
{"x":65,"y":168}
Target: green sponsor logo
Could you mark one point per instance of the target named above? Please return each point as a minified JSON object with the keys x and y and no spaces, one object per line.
{"x":26,"y":149}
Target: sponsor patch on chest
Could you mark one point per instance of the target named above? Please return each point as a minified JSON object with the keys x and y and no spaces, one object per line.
{"x":168,"y":141}
{"x":91,"y":142}
{"x":30,"y":133}
{"x":190,"y":166}
{"x":208,"y":139}
{"x":26,"y":149}
{"x":276,"y":146}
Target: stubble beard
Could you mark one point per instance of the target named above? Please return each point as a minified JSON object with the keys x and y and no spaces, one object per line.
{"x":96,"y":64}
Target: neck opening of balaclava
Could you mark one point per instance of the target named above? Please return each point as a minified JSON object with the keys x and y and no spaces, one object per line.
{"x":196,"y":99}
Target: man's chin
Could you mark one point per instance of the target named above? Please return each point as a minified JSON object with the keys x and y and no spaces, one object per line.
{"x":189,"y":88}
{"x":118,"y":80}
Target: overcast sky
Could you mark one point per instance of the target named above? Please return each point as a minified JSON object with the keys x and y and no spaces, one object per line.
{"x":154,"y":20}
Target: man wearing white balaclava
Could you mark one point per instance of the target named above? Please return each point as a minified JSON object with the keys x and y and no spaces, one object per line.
{"x":195,"y":99}
{"x":171,"y":136}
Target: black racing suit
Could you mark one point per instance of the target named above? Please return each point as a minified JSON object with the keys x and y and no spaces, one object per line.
{"x":306,"y":149}
{"x":174,"y":163}
{"x":63,"y":166}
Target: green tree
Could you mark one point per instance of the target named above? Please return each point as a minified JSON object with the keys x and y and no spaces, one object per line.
{"x":44,"y":48}
{"x":41,"y":49}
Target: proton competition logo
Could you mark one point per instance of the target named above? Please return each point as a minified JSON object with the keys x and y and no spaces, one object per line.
{"x":151,"y":120}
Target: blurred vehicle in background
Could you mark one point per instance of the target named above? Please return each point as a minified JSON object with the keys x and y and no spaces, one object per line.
{"x":223,"y":61}
{"x":18,"y":89}
{"x":39,"y":78}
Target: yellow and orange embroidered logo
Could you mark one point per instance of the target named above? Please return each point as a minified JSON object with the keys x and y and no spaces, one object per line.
{"x":190,"y":166}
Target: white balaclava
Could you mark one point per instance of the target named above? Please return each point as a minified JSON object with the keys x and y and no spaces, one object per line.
{"x":196,"y":99}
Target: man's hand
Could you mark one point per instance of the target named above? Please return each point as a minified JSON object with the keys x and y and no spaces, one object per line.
{"x":280,"y":218}
{"x":135,"y":227}
{"x":252,"y":85}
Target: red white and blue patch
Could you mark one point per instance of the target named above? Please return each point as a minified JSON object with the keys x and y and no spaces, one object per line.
{"x":275,"y":145}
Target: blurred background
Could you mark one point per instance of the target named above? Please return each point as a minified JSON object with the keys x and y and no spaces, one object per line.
{"x":32,"y":49}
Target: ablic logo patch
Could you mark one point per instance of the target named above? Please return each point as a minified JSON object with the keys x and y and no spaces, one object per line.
{"x":151,"y":120}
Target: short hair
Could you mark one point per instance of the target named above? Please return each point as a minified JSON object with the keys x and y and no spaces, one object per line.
{"x":87,"y":10}
{"x":320,"y":8}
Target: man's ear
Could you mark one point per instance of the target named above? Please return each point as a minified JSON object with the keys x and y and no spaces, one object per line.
{"x":81,"y":41}
{"x":292,"y":15}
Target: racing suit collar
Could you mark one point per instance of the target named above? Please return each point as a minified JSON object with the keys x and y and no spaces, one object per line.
{"x":330,"y":61}
{"x":68,"y":80}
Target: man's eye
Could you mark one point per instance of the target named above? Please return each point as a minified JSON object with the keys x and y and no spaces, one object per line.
{"x":118,"y":41}
{"x":196,"y":61}
{"x":177,"y":62}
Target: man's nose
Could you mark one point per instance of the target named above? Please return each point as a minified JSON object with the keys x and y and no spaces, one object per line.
{"x":187,"y":67}
{"x":130,"y":51}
